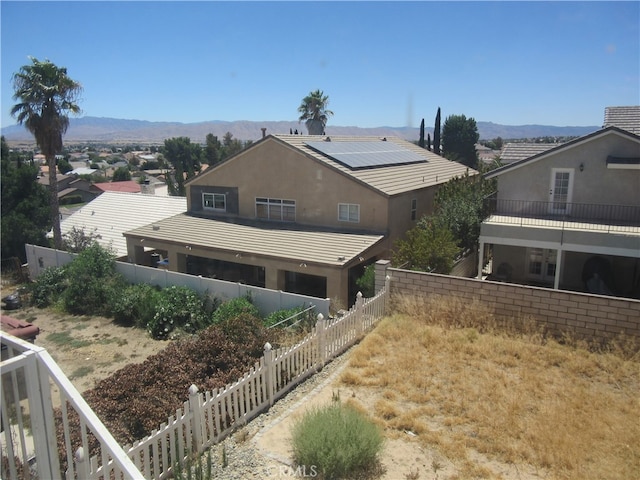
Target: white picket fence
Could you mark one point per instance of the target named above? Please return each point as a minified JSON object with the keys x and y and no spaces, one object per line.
{"x":207,"y":418}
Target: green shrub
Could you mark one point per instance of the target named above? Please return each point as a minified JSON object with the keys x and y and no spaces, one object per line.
{"x":367,"y":282}
{"x":48,"y":287}
{"x":136,"y":305}
{"x":280,"y":315}
{"x":92,"y":282}
{"x":177,"y":307}
{"x":337,"y":441}
{"x":234,"y":308}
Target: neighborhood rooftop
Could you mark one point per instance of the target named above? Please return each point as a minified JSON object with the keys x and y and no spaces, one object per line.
{"x":113,"y":213}
{"x":627,"y":118}
{"x":426,"y":170}
{"x":290,"y":243}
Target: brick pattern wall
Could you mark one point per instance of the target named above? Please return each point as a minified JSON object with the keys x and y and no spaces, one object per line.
{"x":592,"y":317}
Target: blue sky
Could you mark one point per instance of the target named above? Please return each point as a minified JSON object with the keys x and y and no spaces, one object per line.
{"x":380,"y":63}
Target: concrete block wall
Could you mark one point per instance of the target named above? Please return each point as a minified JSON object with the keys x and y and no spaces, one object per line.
{"x":591,"y":317}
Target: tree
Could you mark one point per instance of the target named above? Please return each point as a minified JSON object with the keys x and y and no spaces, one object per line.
{"x":64,"y":166}
{"x":436,"y":134}
{"x":45,"y":95}
{"x":428,"y":247}
{"x":459,"y":138}
{"x":121,"y":174}
{"x":313,"y":110}
{"x":185,"y":158}
{"x":212,"y":150}
{"x":460,"y":206}
{"x":25,"y":206}
{"x":421,"y":141}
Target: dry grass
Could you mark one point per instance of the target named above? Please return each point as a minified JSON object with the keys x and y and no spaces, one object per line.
{"x":477,"y":392}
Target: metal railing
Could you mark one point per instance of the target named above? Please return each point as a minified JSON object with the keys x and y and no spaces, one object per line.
{"x":576,"y":215}
{"x":30,"y":443}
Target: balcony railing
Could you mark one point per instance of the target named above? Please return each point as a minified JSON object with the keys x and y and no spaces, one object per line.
{"x":565,"y":215}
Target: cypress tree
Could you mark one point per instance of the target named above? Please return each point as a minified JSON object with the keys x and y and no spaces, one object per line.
{"x":421,"y":141}
{"x":436,"y":134}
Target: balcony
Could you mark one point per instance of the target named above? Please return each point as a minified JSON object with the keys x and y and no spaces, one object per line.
{"x":564,"y":216}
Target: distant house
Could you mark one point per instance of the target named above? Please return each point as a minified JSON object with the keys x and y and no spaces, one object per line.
{"x":302,"y":214}
{"x":128,"y":186}
{"x":515,"y":152}
{"x":113,"y":213}
{"x":627,"y":118}
{"x":71,"y":188}
{"x":569,"y":217}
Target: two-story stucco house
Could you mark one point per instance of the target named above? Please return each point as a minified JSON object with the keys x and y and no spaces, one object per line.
{"x":569,"y":217}
{"x":303,"y":214}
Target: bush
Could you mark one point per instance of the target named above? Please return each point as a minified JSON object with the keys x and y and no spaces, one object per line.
{"x":92,"y":282}
{"x":234,"y":308}
{"x":48,"y":286}
{"x":337,"y":441}
{"x":280,"y":315}
{"x":177,"y":307}
{"x":136,"y":305}
{"x":367,"y":282}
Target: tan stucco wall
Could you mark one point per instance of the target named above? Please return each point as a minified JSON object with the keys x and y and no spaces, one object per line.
{"x":275,"y":170}
{"x":596,"y":184}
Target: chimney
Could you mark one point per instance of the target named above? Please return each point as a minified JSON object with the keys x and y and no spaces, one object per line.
{"x":264,"y":132}
{"x":147,"y":189}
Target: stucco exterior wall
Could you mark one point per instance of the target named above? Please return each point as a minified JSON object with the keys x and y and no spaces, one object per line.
{"x":595,"y":184}
{"x":277,"y":171}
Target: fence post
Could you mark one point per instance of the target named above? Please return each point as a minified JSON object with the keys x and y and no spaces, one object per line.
{"x":269,"y":376}
{"x":358,"y":315}
{"x":387,"y":293}
{"x":321,"y":326}
{"x":196,"y":421}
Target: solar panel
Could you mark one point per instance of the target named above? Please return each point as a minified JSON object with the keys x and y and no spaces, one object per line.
{"x":359,"y":155}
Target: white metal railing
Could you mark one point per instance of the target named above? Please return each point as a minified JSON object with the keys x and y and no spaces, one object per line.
{"x":30,"y":427}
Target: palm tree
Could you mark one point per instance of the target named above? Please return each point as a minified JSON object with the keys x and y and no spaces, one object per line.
{"x":45,"y":95}
{"x":313,"y":110}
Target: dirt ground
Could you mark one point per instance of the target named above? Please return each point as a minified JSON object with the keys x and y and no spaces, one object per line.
{"x":87,"y":349}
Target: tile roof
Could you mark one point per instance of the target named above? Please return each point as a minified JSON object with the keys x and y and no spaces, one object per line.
{"x":563,"y":146}
{"x":390,"y":180}
{"x":271,"y":240}
{"x":627,"y":118}
{"x":113,"y":213}
{"x":130,"y":186}
{"x":513,"y":152}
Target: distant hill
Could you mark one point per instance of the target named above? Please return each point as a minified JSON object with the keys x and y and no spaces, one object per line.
{"x":119,"y":131}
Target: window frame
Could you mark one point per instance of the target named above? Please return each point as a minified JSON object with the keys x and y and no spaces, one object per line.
{"x":275,"y":209}
{"x":214,"y":195}
{"x":414,"y":209}
{"x":350,"y":218}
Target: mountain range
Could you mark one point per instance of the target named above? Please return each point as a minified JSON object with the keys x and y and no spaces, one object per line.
{"x":120,"y":131}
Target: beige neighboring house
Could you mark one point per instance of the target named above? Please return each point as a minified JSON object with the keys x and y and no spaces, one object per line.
{"x":113,"y":213}
{"x":569,"y":217}
{"x":302,"y":214}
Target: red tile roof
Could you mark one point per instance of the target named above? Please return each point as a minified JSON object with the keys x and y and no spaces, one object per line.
{"x":129,"y":186}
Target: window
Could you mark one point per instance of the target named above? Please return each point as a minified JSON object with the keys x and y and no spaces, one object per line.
{"x":414,"y":208}
{"x":214,"y":201}
{"x":276,"y":209}
{"x":348,"y":212}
